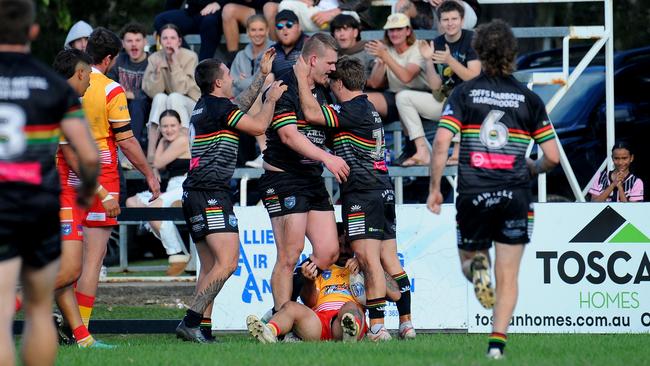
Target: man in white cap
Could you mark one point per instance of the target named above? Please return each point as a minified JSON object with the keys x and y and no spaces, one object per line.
{"x":77,"y":37}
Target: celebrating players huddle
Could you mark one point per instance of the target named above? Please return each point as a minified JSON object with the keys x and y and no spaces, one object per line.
{"x":298,"y":117}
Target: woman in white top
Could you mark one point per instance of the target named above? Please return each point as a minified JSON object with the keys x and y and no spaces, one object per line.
{"x":400,"y":66}
{"x":172,"y":157}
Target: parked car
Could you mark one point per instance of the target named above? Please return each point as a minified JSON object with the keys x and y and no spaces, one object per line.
{"x":579,"y":118}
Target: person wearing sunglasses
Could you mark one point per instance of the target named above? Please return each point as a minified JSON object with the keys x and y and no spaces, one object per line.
{"x":316,"y":15}
{"x":290,"y":40}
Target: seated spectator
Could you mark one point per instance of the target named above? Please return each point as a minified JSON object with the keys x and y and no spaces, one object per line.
{"x":424,"y":14}
{"x":169,"y":81}
{"x":197,"y":16}
{"x":619,"y":185}
{"x":451,"y":61}
{"x":289,"y":44}
{"x":77,"y":37}
{"x":399,"y":65}
{"x":234,"y":14}
{"x":316,"y":15}
{"x":172,"y":157}
{"x":129,"y":70}
{"x":247,"y":61}
{"x":346,"y":29}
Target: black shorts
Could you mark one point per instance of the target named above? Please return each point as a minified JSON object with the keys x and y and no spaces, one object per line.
{"x":30,"y":227}
{"x":505,"y":216}
{"x":369,"y":214}
{"x":208,"y":212}
{"x":285,"y":193}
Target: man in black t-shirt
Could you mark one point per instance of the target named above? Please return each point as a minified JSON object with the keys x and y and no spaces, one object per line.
{"x":368,"y":206}
{"x":214,"y":133}
{"x":36,"y":105}
{"x":294,"y":191}
{"x":494,"y":200}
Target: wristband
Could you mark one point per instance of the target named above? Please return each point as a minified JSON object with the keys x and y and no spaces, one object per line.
{"x":108,"y":198}
{"x":101,"y":192}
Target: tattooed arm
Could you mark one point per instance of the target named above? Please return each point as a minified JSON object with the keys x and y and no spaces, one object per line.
{"x":246,"y":98}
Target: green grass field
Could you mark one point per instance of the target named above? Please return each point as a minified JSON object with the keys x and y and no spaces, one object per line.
{"x":427,"y":349}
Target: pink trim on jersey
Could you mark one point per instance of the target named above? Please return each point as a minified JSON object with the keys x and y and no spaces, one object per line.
{"x":330,"y":305}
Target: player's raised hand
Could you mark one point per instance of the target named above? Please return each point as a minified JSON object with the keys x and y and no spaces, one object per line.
{"x":266,"y":63}
{"x":434,"y":202}
{"x":338,"y":167}
{"x":301,"y":68}
{"x":275,"y":91}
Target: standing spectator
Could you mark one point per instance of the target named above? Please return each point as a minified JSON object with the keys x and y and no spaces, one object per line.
{"x":619,"y":185}
{"x":77,"y":37}
{"x":451,"y":61}
{"x":399,"y":65}
{"x":172,"y":157}
{"x":424,"y":14}
{"x":197,"y":16}
{"x":169,"y":80}
{"x":129,"y":71}
{"x":289,"y":44}
{"x":494,"y":203}
{"x":346,"y":29}
{"x":236,"y":13}
{"x":316,"y":15}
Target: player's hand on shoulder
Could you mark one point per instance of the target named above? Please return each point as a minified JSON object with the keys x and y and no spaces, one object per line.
{"x":338,"y":167}
{"x":352,"y":265}
{"x":275,"y":91}
{"x":309,"y":270}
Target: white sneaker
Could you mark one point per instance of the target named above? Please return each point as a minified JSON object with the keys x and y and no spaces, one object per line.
{"x":381,"y":336}
{"x":257,"y":163}
{"x":259,"y":330}
{"x":350,"y":328}
{"x":495,"y":354}
{"x":406,"y":331}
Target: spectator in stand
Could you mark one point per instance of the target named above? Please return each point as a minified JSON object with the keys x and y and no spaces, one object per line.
{"x":197,"y":16}
{"x":346,"y":29}
{"x":448,"y":63}
{"x":399,"y":65}
{"x":234,"y":14}
{"x":77,"y":37}
{"x":172,"y":157}
{"x":424,"y":14}
{"x":246,"y":64}
{"x":289,"y":44}
{"x":618,"y":185}
{"x":129,"y":71}
{"x":316,"y":15}
{"x":169,"y":80}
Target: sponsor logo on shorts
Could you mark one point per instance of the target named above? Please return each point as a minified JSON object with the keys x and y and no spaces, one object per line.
{"x":96,"y":216}
{"x":375,"y":230}
{"x":195,"y":219}
{"x":388,"y":195}
{"x":185,"y":194}
{"x":272,"y":204}
{"x":212,"y":202}
{"x":270,"y":191}
{"x":66,"y":229}
{"x":232,"y":220}
{"x":290,"y":202}
{"x":215,"y":218}
{"x":198,"y":227}
{"x":355,"y":208}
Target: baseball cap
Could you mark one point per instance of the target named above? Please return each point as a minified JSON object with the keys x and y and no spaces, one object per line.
{"x":286,"y":15}
{"x":397,"y":20}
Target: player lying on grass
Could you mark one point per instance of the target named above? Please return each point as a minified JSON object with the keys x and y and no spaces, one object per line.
{"x":330,"y":311}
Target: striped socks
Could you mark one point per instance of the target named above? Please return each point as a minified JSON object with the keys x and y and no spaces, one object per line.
{"x":274,"y":328}
{"x":404,"y":302}
{"x":497,"y":341}
{"x":19,"y":304}
{"x":206,"y":328}
{"x":86,"y":304}
{"x":376,"y":307}
{"x":83,"y":337}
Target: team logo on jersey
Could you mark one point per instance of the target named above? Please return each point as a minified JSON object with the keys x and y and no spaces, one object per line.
{"x":270,"y":191}
{"x":355,"y":208}
{"x":232,"y":220}
{"x":448,"y":110}
{"x":336,"y":107}
{"x":493,"y":133}
{"x":66,"y":229}
{"x":290,"y":202}
{"x":327,"y":274}
{"x":212,"y":202}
